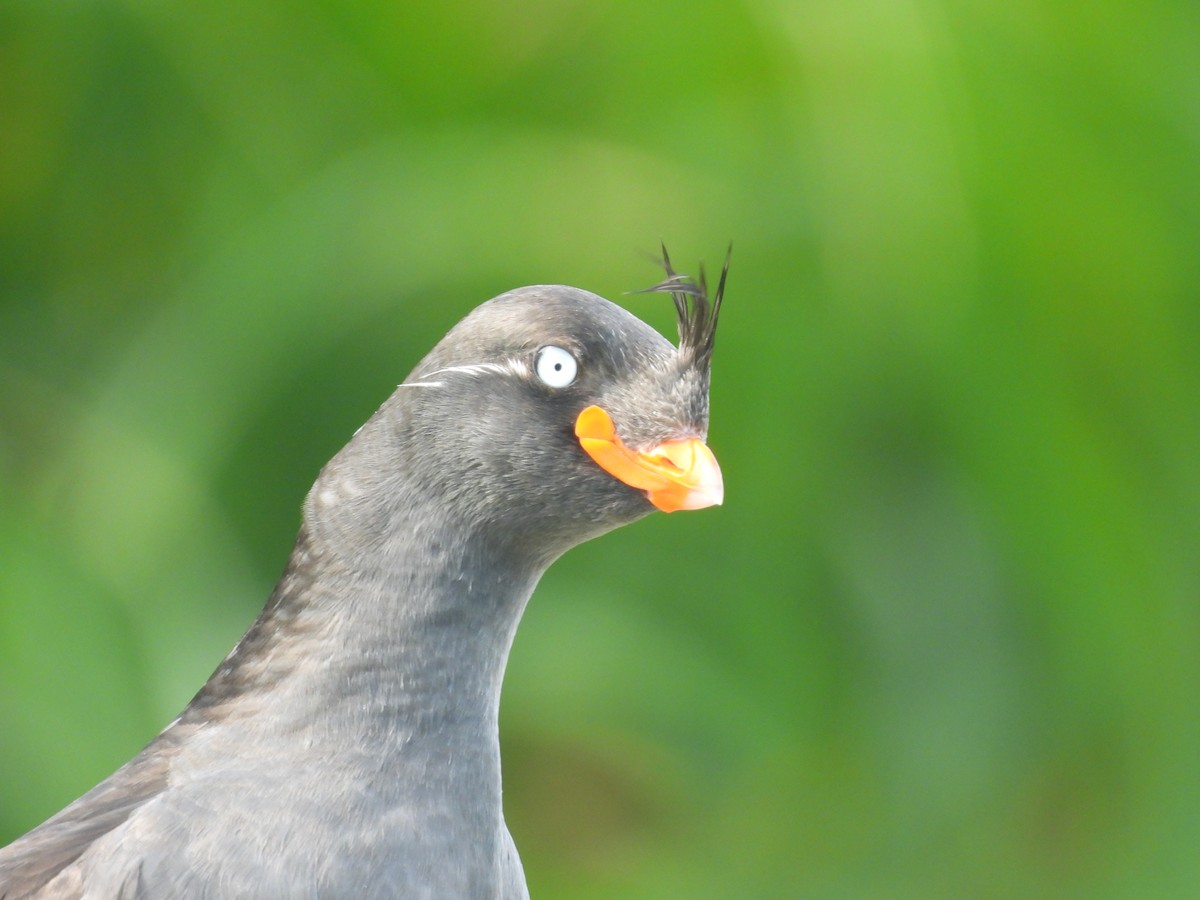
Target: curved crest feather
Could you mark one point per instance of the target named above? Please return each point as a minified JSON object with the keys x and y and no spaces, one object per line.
{"x":697,"y":319}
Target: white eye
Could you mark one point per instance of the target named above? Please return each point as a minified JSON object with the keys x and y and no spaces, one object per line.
{"x":555,"y":366}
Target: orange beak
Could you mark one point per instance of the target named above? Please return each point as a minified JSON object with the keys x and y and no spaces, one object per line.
{"x":675,"y":475}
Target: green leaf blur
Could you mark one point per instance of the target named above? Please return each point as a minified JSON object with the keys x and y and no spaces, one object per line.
{"x":943,"y":639}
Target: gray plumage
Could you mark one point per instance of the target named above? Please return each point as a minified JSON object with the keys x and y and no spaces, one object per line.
{"x":348,"y":745}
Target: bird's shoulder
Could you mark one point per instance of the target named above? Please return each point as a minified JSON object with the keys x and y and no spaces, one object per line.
{"x":40,"y":863}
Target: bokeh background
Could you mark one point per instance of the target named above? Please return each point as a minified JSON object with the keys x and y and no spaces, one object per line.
{"x":943,"y":639}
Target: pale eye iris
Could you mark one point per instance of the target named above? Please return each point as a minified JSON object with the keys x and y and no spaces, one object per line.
{"x":555,"y":367}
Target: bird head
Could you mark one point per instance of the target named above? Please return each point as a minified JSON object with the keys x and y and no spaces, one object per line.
{"x":553,"y":413}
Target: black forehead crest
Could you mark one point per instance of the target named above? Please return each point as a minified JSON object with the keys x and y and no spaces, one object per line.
{"x":697,"y":319}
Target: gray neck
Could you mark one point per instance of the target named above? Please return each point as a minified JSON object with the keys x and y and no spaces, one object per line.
{"x":386,"y":657}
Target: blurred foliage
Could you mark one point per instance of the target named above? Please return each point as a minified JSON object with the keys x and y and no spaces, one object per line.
{"x":941,"y":641}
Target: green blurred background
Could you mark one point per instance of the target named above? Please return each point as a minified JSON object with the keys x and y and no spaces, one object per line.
{"x":943,"y":639}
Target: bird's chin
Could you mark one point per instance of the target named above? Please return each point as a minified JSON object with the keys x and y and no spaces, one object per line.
{"x":625,"y":508}
{"x":555,"y":537}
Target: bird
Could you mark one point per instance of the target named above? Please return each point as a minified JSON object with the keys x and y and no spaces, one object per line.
{"x":348,"y":746}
